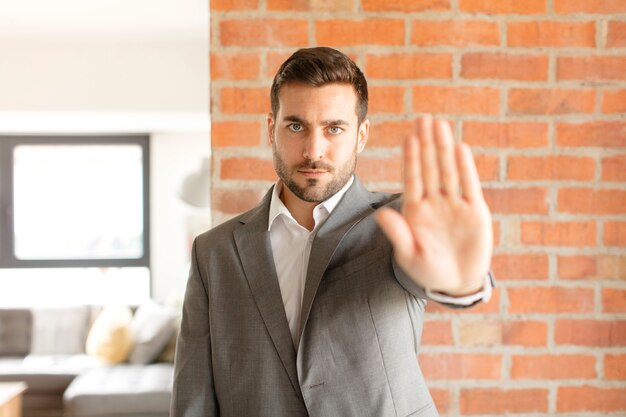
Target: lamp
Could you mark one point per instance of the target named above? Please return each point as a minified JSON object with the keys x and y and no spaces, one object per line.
{"x":195,"y":188}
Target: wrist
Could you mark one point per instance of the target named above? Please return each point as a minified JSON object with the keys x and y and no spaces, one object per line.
{"x":466,"y":290}
{"x":483,"y":293}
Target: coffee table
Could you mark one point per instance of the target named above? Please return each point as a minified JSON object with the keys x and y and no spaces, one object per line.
{"x":11,"y":398}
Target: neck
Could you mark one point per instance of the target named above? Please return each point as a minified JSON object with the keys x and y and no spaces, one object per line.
{"x":302,"y":211}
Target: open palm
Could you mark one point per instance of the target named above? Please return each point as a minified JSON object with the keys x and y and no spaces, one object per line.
{"x":443,"y":238}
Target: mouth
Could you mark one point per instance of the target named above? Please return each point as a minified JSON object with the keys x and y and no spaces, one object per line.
{"x":312,"y":173}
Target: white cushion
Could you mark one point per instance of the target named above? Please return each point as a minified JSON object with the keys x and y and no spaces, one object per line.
{"x":153,"y":326}
{"x":60,"y":330}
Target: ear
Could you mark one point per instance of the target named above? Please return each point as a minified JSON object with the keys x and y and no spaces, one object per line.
{"x":364,"y":130}
{"x":271,"y":126}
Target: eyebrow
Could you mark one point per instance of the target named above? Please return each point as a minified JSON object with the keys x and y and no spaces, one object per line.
{"x":335,"y":122}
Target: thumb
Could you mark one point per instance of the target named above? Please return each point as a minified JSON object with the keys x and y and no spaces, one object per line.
{"x":395,"y":227}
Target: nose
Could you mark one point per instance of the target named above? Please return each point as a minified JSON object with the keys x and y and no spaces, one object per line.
{"x":314,"y":146}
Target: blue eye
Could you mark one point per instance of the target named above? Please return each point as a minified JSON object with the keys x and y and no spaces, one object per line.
{"x":334,"y":130}
{"x":295,"y":127}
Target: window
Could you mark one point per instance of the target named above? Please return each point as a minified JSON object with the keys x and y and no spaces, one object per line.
{"x":75,"y":202}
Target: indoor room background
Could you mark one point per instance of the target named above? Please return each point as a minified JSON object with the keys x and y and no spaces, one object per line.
{"x":536,"y":87}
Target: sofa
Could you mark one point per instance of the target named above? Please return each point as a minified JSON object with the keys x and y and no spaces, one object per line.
{"x":90,"y":361}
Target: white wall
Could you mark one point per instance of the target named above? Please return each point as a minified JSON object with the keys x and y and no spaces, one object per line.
{"x":99,"y":84}
{"x":104,"y":75}
{"x":175,"y":223}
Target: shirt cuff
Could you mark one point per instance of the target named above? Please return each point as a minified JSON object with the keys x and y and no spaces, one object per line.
{"x":484,"y":294}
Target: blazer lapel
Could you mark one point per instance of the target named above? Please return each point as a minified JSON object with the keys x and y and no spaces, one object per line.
{"x":255,"y":251}
{"x":350,"y":210}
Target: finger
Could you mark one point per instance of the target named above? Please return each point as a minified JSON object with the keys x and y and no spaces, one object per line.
{"x":397,"y":231}
{"x":445,"y":155}
{"x":470,"y":183}
{"x":413,"y":186}
{"x":428,"y":153}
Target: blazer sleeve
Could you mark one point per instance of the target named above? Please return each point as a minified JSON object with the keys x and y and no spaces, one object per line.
{"x":194,"y":393}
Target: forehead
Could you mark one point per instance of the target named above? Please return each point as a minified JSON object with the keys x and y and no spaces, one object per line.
{"x":335,"y":100}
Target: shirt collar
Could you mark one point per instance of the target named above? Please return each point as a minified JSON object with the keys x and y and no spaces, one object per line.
{"x":277,"y":207}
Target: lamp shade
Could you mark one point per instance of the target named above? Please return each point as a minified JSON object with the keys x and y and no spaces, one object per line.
{"x":195,"y":189}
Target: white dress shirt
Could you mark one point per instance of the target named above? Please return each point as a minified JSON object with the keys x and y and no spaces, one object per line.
{"x":291,"y":248}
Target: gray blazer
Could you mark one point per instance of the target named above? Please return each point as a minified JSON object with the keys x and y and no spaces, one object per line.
{"x":360,"y":332}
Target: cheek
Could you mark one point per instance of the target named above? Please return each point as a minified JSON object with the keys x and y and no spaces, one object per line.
{"x":288,"y":151}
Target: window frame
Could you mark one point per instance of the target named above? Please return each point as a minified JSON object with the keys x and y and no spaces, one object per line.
{"x":7,"y":231}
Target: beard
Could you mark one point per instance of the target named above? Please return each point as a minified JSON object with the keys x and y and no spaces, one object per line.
{"x":314,"y":191}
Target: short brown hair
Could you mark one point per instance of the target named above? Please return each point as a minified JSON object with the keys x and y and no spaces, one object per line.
{"x":317,"y":67}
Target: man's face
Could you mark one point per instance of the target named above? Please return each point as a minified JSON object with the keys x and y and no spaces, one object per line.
{"x":315,"y":138}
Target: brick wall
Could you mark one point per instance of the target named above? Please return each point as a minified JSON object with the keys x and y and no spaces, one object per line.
{"x":538,"y":87}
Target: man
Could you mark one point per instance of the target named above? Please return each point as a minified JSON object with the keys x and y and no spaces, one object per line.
{"x":302,"y":306}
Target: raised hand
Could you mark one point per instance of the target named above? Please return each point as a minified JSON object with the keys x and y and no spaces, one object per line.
{"x":443,"y":238}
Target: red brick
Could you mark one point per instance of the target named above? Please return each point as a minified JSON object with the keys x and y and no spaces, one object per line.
{"x":576,"y":267}
{"x":550,"y":101}
{"x":597,"y":333}
{"x":235,"y":201}
{"x":559,"y":233}
{"x":496,"y":232}
{"x":616,"y":37}
{"x":455,"y":33}
{"x":437,"y":332}
{"x":311,"y":5}
{"x":274,"y":61}
{"x":600,"y":134}
{"x":614,"y":168}
{"x":590,"y":201}
{"x":456,"y":100}
{"x":546,"y":367}
{"x":591,"y":68}
{"x":550,"y":300}
{"x":405,"y":5}
{"x":449,"y":366}
{"x":520,"y":266}
{"x":613,"y":300}
{"x":442,"y":398}
{"x":242,"y":66}
{"x":503,"y":6}
{"x":264,"y":32}
{"x":488,"y":65}
{"x":615,"y":367}
{"x":513,"y":135}
{"x":556,"y":167}
{"x":525,"y":333}
{"x":592,"y":267}
{"x":517,"y":200}
{"x":491,"y":307}
{"x":248,"y":100}
{"x":247,"y":168}
{"x":389,"y":133}
{"x":614,"y":101}
{"x":377,"y":169}
{"x":503,"y":401}
{"x":480,"y":333}
{"x":488,"y":167}
{"x":408,"y":66}
{"x":231,"y":5}
{"x":386,"y":99}
{"x":588,"y":398}
{"x":359,"y":32}
{"x":551,"y":34}
{"x":612,"y":266}
{"x":589,"y":6}
{"x":235,"y":133}
{"x":615,"y":233}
